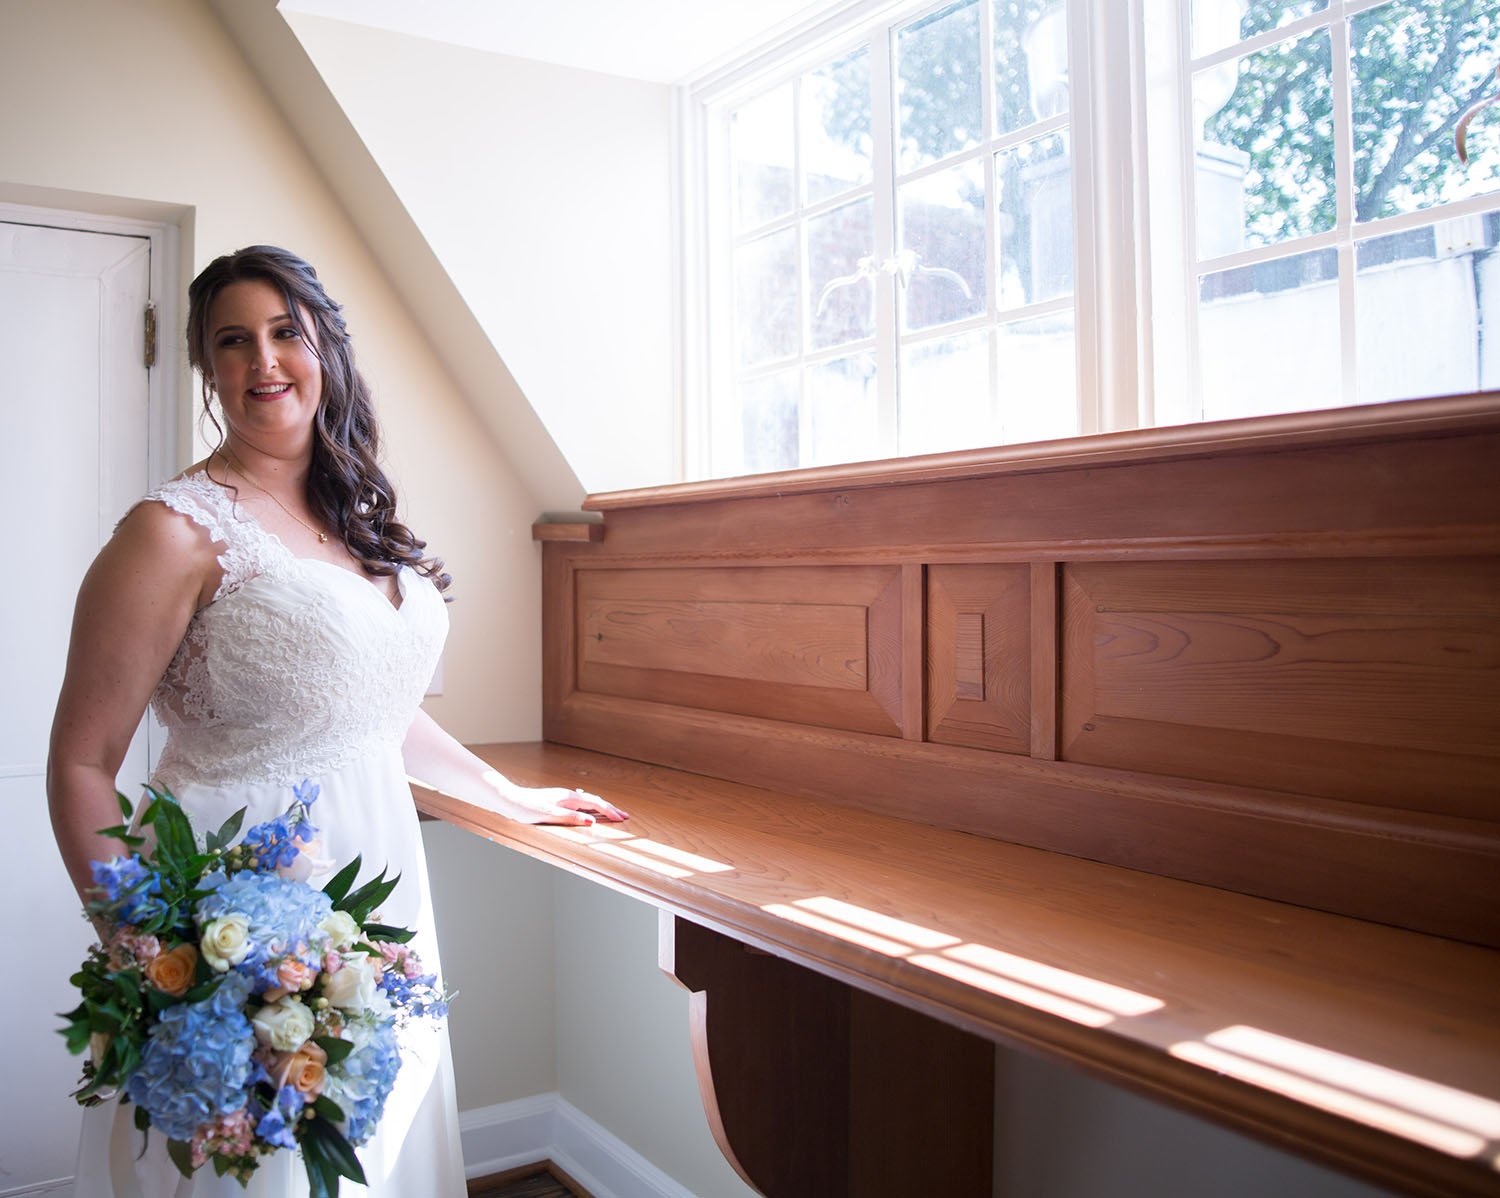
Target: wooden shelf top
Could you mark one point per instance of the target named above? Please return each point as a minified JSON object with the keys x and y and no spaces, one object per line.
{"x":1373,"y":1049}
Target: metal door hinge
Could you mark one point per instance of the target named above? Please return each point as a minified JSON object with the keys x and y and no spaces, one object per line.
{"x":150,"y":336}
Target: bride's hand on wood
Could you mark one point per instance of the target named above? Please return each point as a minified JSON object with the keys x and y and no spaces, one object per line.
{"x":560,"y":805}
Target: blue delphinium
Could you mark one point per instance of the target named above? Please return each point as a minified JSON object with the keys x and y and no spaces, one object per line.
{"x":278,"y":1125}
{"x":283,"y":915}
{"x":416,"y":997}
{"x":363,"y":1079}
{"x":196,"y":1064}
{"x":127,"y":880}
{"x":273,"y":842}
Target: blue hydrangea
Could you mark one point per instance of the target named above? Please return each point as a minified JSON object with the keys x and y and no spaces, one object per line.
{"x":283,"y":914}
{"x":361,"y":1082}
{"x":129,"y":882}
{"x":196,"y":1065}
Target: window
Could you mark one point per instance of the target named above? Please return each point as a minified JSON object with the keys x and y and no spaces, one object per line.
{"x":993,"y":221}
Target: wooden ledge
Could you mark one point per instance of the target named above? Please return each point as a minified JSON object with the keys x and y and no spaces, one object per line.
{"x":1370,"y":1048}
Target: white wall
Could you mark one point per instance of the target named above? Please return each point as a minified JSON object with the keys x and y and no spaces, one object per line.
{"x":147,"y":109}
{"x":546,"y":193}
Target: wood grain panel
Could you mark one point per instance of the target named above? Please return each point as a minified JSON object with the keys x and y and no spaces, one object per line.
{"x":816,"y":645}
{"x":1348,"y":679}
{"x":979,"y":656}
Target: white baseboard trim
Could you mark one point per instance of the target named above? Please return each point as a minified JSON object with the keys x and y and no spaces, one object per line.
{"x":55,"y":1188}
{"x":549,"y":1127}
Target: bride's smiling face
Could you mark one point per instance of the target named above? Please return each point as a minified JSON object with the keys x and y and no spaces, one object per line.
{"x":267,"y":375}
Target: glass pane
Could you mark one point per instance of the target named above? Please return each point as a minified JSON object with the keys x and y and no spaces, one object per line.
{"x":1423,"y":299}
{"x":945,"y":395}
{"x":842,"y":401}
{"x":761,"y":148}
{"x":1038,"y":387}
{"x":1035,"y":230}
{"x":1264,"y":169}
{"x":765,"y":287}
{"x":1414,"y":67}
{"x":836,"y":127}
{"x":1220,"y":23}
{"x":1031,"y":62}
{"x":942,"y":246}
{"x":769,"y":423}
{"x":938,"y":86}
{"x":1268,"y":337}
{"x":843,"y":293}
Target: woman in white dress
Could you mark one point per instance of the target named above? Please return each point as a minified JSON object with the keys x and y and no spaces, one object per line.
{"x":283,"y":624}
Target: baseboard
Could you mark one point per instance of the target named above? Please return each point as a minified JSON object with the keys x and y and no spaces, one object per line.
{"x":549,"y":1127}
{"x":55,"y":1188}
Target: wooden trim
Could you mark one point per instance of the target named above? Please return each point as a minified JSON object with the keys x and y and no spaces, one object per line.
{"x":1212,"y":959}
{"x":1044,"y":664}
{"x":1373,"y":422}
{"x":913,"y":669}
{"x":583,"y":530}
{"x":1252,"y":841}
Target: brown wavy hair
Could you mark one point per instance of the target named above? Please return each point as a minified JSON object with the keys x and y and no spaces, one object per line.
{"x":346,"y":488}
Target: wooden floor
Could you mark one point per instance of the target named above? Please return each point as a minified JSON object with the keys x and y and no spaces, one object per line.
{"x":529,"y":1181}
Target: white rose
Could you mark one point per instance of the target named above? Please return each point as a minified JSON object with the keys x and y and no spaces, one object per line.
{"x":353,"y":987}
{"x":226,"y":941}
{"x":341,"y":929}
{"x":284,"y":1024}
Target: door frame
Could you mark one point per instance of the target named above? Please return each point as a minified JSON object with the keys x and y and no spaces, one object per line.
{"x":168,"y":420}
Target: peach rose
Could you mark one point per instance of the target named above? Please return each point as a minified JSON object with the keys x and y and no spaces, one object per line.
{"x":303,"y":1069}
{"x":293,"y":975}
{"x":172,"y":973}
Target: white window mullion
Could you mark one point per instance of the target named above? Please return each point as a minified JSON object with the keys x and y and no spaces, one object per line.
{"x":991,"y":207}
{"x":1343,"y":174}
{"x":1189,"y":229}
{"x":883,"y":137}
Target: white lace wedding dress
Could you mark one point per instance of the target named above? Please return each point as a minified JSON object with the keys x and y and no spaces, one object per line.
{"x":301,"y":669}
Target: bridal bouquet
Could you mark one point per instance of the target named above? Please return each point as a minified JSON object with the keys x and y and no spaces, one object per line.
{"x":241,"y":1010}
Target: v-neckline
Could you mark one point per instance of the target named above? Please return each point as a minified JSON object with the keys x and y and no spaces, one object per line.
{"x":396,"y":607}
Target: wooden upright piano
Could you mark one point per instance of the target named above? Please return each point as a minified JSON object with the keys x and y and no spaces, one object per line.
{"x":1174,"y":755}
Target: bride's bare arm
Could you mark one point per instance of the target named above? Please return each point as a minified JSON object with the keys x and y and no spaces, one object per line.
{"x":438,"y":760}
{"x":133,"y":608}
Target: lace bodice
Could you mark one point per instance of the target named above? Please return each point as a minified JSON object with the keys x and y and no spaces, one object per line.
{"x":297,"y":667}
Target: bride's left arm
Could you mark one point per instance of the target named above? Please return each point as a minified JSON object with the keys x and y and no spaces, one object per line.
{"x":437,"y":760}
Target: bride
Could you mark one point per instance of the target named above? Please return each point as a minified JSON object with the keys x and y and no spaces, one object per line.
{"x":283,"y":624}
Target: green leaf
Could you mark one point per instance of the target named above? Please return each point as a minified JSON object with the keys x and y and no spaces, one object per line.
{"x":126,"y":809}
{"x":228,"y":830}
{"x":181,"y":1153}
{"x":384,"y":931}
{"x":329,"y":1109}
{"x":336,"y":1048}
{"x":338,"y":885}
{"x":332,"y":1142}
{"x":142,"y":1119}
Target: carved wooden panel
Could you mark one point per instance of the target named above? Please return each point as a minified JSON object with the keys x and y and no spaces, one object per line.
{"x":817,"y":645}
{"x":1370,"y":680}
{"x":979,"y":656}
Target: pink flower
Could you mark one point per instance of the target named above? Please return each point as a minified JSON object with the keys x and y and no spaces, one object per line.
{"x":294,"y":975}
{"x":332,"y":962}
{"x":227,"y":1135}
{"x":128,"y":948}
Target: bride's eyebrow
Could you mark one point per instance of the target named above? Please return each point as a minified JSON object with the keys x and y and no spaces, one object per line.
{"x":239,"y":328}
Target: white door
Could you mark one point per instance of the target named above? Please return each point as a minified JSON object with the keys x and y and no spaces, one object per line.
{"x":74,"y":435}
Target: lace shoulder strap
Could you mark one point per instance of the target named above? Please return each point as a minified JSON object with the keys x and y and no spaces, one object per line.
{"x":248,"y":549}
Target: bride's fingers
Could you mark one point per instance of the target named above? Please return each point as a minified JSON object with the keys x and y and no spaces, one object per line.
{"x":582,"y":800}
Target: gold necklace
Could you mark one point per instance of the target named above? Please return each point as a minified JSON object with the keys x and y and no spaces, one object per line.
{"x":233,"y":460}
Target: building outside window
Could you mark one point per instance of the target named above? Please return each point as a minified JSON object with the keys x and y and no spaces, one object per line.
{"x":996,"y":221}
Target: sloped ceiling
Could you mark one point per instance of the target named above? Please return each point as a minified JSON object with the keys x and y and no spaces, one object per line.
{"x":288,"y":74}
{"x":662,"y":41}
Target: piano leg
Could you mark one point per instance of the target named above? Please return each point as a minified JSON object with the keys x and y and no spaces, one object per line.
{"x":814,"y":1089}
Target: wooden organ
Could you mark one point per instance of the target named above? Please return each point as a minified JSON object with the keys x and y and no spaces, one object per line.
{"x":1171,"y":754}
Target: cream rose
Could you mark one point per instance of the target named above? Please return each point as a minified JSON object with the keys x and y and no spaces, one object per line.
{"x":285,"y":1024}
{"x":341,"y":930}
{"x":226,"y":941}
{"x":352,"y":988}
